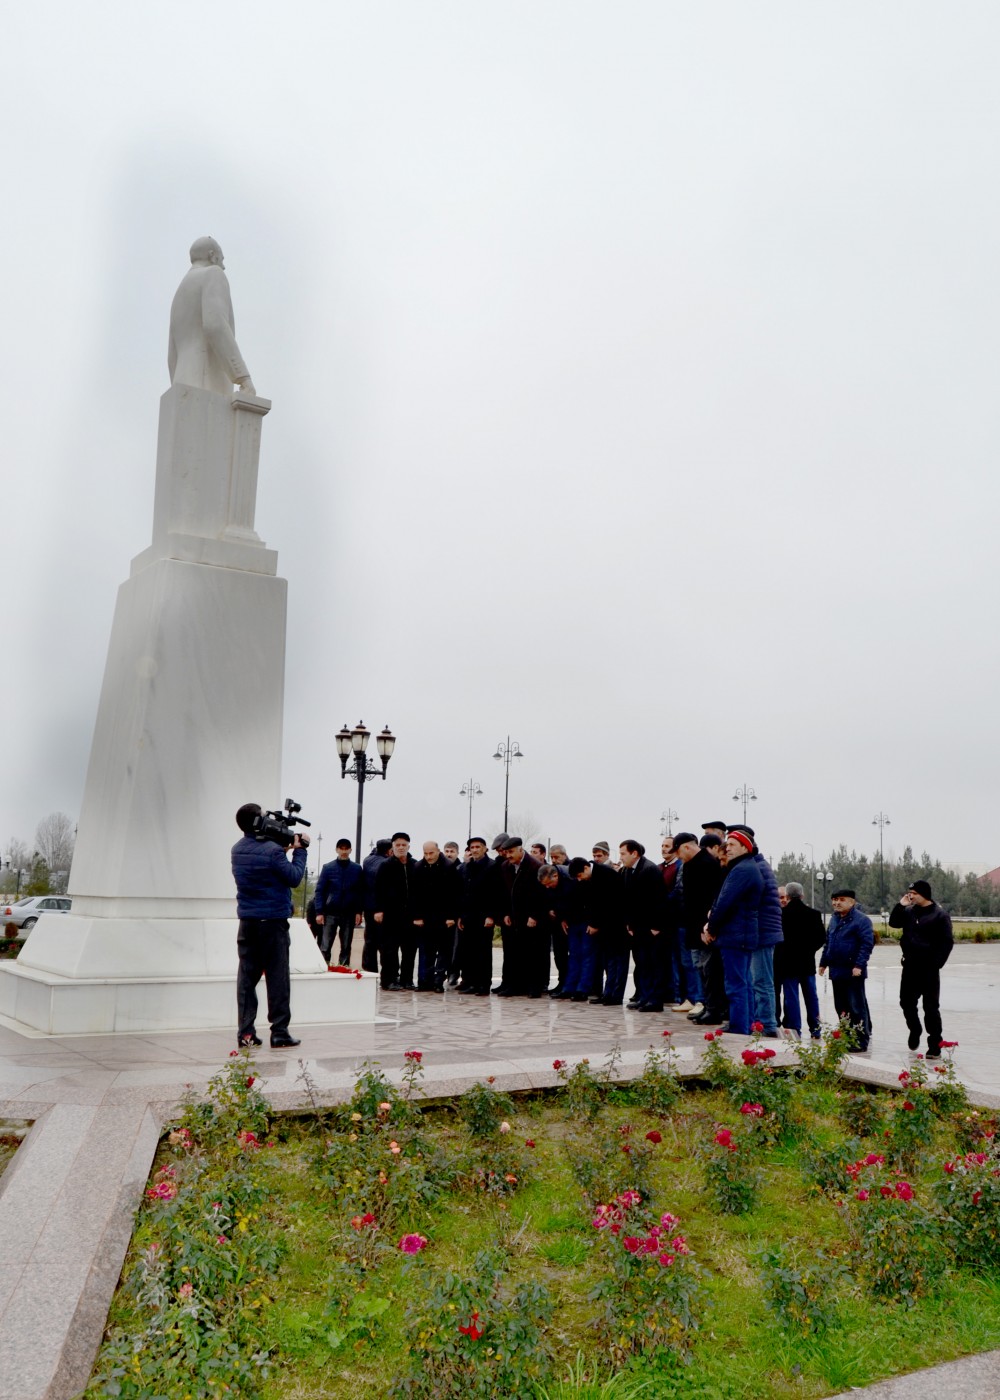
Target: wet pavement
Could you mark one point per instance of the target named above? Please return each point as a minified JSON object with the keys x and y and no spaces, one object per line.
{"x":99,"y":1103}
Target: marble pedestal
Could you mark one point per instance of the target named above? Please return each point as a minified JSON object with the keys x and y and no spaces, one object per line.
{"x":189,"y":728}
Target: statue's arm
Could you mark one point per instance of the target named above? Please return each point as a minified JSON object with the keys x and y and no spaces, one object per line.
{"x":171,"y":354}
{"x":217,"y":322}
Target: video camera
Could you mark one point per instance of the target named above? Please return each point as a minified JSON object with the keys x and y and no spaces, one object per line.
{"x":277,"y":826}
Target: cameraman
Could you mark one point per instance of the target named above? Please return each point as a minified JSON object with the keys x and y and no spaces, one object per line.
{"x":264,"y":877}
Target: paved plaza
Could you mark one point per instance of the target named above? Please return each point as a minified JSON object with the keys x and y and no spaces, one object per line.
{"x":99,"y":1103}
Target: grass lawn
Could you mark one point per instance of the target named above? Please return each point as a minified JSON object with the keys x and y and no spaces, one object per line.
{"x":273,"y":1263}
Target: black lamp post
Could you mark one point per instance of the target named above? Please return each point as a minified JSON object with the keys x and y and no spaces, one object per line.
{"x":881,"y":821}
{"x":471,"y":790}
{"x":362,"y":770}
{"x":505,"y":752}
{"x":745,"y":795}
{"x":825,"y":877}
{"x":668,"y":817}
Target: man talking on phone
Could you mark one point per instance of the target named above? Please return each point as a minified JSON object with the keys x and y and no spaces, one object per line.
{"x":265,"y":874}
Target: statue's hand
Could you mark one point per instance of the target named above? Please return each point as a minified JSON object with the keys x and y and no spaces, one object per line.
{"x":246,"y":386}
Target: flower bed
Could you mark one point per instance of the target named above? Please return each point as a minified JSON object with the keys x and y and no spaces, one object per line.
{"x":762,"y":1237}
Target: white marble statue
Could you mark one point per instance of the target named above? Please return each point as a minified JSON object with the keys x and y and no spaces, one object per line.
{"x":202,"y":350}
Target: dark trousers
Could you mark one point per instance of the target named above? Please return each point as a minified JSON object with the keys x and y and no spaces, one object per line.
{"x":525,"y":959}
{"x":398,"y":951}
{"x":436,"y":943}
{"x":651,"y":960}
{"x":475,"y":951}
{"x":849,"y":1000}
{"x":579,"y":974}
{"x":335,"y":924}
{"x":713,"y":984}
{"x":369,"y":953}
{"x":560,"y":951}
{"x":614,"y":962}
{"x":262,"y":945}
{"x":793,"y":1011}
{"x":922,"y":980}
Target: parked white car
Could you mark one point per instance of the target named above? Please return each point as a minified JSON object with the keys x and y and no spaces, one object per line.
{"x":25,"y":912}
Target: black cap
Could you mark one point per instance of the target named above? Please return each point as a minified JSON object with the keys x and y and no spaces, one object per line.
{"x":746,"y":830}
{"x":512,"y":843}
{"x":720,"y":824}
{"x":921,"y":887}
{"x":480,"y":839}
{"x":843,"y":894}
{"x":680,"y":837}
{"x":498,"y":840}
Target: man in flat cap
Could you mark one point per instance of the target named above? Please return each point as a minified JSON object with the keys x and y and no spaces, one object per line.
{"x":524,"y":932}
{"x":849,"y":942}
{"x":926,"y":944}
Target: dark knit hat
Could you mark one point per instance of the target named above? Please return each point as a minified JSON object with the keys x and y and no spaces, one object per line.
{"x":602,"y":846}
{"x":921,"y":887}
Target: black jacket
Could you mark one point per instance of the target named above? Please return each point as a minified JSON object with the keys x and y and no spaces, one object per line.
{"x":804,"y":936}
{"x":478,"y":893}
{"x":394,"y":890}
{"x":700,"y":882}
{"x":527,"y":898}
{"x":437,"y":891}
{"x":927,"y":935}
{"x":371,"y":865}
{"x":602,"y":902}
{"x":643,"y":896}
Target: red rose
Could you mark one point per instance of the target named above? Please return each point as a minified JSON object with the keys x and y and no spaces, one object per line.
{"x":558,"y":1064}
{"x":709,"y":1035}
{"x":654,"y":1136}
{"x":835,"y":1035}
{"x":724,"y":1137}
{"x":529,"y":1142}
{"x":757,"y":1027}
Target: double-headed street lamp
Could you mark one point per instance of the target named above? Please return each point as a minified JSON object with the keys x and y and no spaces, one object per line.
{"x":881,"y":821}
{"x":825,"y":877}
{"x":471,"y":790}
{"x":744,"y":794}
{"x":505,"y":752}
{"x":362,"y":770}
{"x":668,"y":818}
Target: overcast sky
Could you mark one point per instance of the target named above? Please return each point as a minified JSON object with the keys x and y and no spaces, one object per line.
{"x":634,"y":372}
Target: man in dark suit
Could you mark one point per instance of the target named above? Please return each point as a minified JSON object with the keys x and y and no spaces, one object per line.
{"x":525,"y":934}
{"x":643,"y":906}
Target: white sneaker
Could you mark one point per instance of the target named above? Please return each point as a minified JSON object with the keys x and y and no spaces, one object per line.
{"x":683,"y":1006}
{"x":697,"y":1009}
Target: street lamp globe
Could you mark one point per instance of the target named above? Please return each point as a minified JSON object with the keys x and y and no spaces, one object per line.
{"x":359,"y":737}
{"x":344,"y":743}
{"x":385,"y":742}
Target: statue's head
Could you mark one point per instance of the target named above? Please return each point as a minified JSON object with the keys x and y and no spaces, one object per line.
{"x":206,"y":250}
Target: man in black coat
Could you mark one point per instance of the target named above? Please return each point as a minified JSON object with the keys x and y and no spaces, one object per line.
{"x":700,"y":883}
{"x":927,"y":941}
{"x":370,"y":865}
{"x":795,"y":959}
{"x":395,"y":911}
{"x":436,"y":901}
{"x":643,"y":901}
{"x":604,"y":927}
{"x":477,"y":917}
{"x":525,"y":934}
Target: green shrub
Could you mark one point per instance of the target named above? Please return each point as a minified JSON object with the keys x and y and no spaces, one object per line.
{"x":801,"y":1288}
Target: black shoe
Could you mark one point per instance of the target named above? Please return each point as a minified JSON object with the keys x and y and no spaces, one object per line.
{"x":535,"y":996}
{"x":651,"y":1006}
{"x":483,"y":992}
{"x":407,"y":986}
{"x":933,"y":1054}
{"x":392,"y":987}
{"x":595,"y":1001}
{"x":245,"y":1041}
{"x":581,"y":996}
{"x":284,"y":1042}
{"x":466,"y":989}
{"x":634,"y":1002}
{"x":557,"y":990}
{"x":914,"y":1040}
{"x":704,"y":1018}
{"x":502,"y":991}
{"x":725,"y":1026}
{"x":453,"y":981}
{"x":436,"y":989}
{"x":611,"y":1001}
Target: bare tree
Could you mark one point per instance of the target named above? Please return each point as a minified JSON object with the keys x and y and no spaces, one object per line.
{"x":521,"y":824}
{"x":17,"y":857}
{"x":54,"y":841}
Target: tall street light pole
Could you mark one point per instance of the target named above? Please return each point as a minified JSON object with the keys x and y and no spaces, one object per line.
{"x":744,"y":794}
{"x":363,"y":770}
{"x":669,"y":817}
{"x":881,"y":821}
{"x":812,"y":873}
{"x":825,"y":877}
{"x":471,"y":790}
{"x":505,"y":752}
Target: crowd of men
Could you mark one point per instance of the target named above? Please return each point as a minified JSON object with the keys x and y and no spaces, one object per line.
{"x":707,"y":931}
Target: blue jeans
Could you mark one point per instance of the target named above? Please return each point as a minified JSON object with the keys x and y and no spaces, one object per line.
{"x":690,"y":961}
{"x":582,"y":956}
{"x":739,"y":990}
{"x":793,"y":1011}
{"x":762,"y":977}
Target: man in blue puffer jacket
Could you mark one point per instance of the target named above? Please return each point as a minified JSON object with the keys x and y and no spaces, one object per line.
{"x":769,"y":934}
{"x":849,"y":942}
{"x":733,"y":923}
{"x":265,"y":878}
